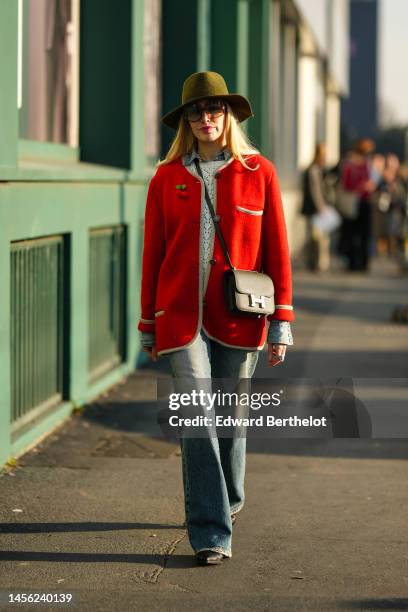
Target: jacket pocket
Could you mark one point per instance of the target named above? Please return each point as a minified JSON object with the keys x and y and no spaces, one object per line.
{"x":159,"y":313}
{"x":249,"y":211}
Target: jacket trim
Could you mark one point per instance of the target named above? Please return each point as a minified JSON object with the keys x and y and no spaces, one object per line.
{"x":246,"y":348}
{"x":249,"y":212}
{"x":284,"y":306}
{"x":147,"y":321}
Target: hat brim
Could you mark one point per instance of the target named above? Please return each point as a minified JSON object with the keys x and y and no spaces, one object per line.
{"x":240,"y":107}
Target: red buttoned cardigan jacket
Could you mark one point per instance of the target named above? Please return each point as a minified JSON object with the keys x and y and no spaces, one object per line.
{"x":252,"y":221}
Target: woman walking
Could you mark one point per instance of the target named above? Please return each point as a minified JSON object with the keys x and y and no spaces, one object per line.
{"x":211,"y":164}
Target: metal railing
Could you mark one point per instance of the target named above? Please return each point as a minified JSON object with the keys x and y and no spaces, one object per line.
{"x":36,"y":327}
{"x":107,"y":299}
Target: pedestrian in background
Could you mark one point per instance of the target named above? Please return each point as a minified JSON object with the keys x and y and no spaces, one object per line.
{"x":403,"y":175}
{"x":315,"y":202}
{"x":393,"y":189}
{"x":380,"y":205}
{"x":184,"y":312}
{"x":356,"y":181}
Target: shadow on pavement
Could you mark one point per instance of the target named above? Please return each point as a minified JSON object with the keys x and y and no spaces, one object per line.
{"x":79,"y":527}
{"x":375,"y":604}
{"x":182,"y":561}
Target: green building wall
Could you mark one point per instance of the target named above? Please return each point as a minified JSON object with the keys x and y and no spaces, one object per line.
{"x":48,"y":189}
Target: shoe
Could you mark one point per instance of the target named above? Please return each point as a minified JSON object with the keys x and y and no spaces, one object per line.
{"x":209,"y":557}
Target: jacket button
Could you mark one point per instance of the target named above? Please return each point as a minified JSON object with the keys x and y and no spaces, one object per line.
{"x":213,"y":262}
{"x":217,"y":218}
{"x":204,"y":303}
{"x":217,"y":175}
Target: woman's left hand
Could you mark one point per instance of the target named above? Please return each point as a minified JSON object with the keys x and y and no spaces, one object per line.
{"x":276,"y":353}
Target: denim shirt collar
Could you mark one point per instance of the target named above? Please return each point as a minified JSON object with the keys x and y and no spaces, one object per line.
{"x":190,"y":157}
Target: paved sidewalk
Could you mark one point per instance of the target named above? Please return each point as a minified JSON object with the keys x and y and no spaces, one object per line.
{"x":96,"y":509}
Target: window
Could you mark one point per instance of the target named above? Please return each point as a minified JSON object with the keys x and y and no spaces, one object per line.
{"x":152,"y":84}
{"x":48,"y":70}
{"x":288,"y":105}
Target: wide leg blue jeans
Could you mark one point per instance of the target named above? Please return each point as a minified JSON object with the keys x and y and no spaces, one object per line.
{"x":213,"y":466}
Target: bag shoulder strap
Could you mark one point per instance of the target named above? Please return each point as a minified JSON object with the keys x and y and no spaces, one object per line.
{"x":214,"y":217}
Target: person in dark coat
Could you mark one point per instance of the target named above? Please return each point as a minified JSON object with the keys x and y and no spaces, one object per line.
{"x":314,"y":202}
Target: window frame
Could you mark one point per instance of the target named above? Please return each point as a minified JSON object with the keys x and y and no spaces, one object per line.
{"x":43,"y":151}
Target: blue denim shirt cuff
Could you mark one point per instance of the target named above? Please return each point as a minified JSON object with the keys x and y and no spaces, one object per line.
{"x":147,"y":339}
{"x":280,"y":332}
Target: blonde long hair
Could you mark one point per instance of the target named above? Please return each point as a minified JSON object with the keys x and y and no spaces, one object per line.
{"x":236,"y":140}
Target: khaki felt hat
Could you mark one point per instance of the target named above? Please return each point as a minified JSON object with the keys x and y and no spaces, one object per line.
{"x":207,"y":85}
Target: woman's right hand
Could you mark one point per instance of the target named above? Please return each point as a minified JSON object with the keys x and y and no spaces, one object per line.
{"x":276,"y":353}
{"x":151,"y":351}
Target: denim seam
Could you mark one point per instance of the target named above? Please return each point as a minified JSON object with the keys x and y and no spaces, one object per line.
{"x":245,"y":348}
{"x":216,"y":549}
